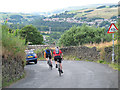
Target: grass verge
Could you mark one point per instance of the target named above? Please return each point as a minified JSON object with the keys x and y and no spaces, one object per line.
{"x":7,"y":84}
{"x":115,"y":66}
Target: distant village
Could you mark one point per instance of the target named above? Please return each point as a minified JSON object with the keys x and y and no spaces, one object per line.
{"x":74,"y":20}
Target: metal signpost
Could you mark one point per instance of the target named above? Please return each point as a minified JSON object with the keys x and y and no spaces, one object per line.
{"x":113,"y":49}
{"x":112,"y":29}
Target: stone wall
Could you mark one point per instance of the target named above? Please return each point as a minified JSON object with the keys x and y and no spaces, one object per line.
{"x":40,"y":47}
{"x":107,"y":54}
{"x":82,"y":52}
{"x":85,"y":53}
{"x":12,"y":69}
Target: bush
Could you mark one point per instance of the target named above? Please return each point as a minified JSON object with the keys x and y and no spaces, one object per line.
{"x":84,"y":34}
{"x":12,"y":45}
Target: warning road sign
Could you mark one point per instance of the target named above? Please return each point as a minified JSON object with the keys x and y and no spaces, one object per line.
{"x":112,"y":28}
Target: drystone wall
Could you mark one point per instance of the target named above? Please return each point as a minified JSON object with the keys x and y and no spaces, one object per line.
{"x":82,"y":52}
{"x":12,"y":69}
{"x":107,"y":55}
{"x":85,"y":53}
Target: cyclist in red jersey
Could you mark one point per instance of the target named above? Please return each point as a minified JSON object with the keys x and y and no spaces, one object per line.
{"x":58,"y":55}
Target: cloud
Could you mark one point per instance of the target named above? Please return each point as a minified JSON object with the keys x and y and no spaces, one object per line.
{"x":44,"y":5}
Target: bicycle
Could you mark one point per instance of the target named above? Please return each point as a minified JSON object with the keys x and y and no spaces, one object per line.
{"x":59,"y":69}
{"x":49,"y":63}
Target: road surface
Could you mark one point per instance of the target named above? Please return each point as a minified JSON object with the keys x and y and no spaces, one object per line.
{"x":77,"y":74}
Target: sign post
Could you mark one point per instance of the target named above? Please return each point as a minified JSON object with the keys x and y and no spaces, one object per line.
{"x":113,"y":49}
{"x":112,"y":29}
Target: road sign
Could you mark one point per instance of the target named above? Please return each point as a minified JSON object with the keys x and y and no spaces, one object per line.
{"x":112,"y":28}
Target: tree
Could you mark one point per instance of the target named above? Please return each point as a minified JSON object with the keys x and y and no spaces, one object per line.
{"x":83,"y":34}
{"x":31,"y":34}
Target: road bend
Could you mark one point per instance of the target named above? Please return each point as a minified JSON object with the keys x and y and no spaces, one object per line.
{"x":77,"y":74}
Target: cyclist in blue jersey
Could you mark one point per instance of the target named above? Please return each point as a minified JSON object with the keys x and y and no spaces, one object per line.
{"x":48,"y":53}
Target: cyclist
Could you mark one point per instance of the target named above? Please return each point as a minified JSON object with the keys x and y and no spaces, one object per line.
{"x":48,"y":53}
{"x":57,"y":55}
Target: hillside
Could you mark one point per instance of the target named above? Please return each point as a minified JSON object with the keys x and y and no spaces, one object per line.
{"x":18,"y":18}
{"x":57,"y":24}
{"x":103,"y":11}
{"x":71,"y":8}
{"x":100,"y":16}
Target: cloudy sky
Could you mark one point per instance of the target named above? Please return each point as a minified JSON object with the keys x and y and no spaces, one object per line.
{"x":45,"y":5}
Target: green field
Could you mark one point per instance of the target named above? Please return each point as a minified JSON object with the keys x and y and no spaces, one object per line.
{"x":106,"y":13}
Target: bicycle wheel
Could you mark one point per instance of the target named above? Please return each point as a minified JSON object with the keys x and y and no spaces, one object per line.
{"x":59,"y":70}
{"x":50,"y":65}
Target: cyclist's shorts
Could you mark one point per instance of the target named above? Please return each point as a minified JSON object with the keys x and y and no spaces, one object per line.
{"x":58,"y":58}
{"x":48,"y":56}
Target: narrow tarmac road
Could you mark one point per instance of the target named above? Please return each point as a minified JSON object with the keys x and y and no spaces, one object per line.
{"x":77,"y":74}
